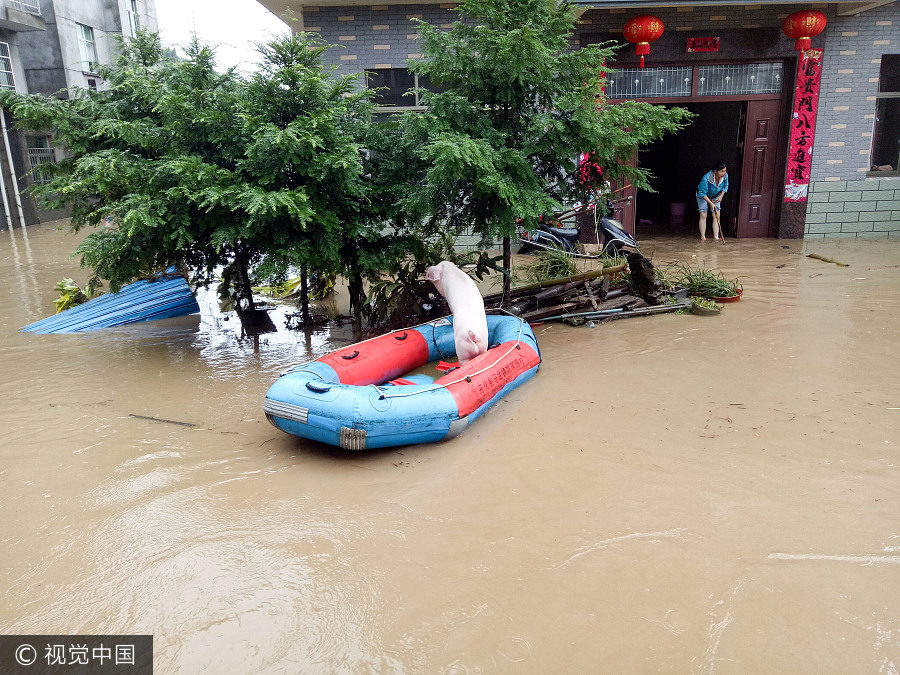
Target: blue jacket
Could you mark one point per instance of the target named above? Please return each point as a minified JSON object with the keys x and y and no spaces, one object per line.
{"x":709,"y":188}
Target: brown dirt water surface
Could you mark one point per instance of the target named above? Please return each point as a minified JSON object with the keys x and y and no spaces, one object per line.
{"x":669,"y":494}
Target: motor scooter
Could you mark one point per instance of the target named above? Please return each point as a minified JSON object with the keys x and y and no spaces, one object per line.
{"x":611,"y":236}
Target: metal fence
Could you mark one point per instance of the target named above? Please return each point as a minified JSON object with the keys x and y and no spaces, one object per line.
{"x":745,"y":78}
{"x":39,"y":159}
{"x":650,"y":82}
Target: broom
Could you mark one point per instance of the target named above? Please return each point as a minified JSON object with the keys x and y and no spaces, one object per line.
{"x":719,"y":223}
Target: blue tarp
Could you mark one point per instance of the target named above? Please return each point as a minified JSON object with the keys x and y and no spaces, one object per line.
{"x":162,"y":298}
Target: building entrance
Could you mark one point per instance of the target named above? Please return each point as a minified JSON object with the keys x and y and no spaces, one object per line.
{"x":679,"y":161}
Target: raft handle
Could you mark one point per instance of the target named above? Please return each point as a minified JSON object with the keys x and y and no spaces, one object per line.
{"x":401,"y":337}
{"x":318,"y":388}
{"x":352,"y":356}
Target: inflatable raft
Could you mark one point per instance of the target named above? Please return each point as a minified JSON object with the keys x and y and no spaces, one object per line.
{"x":352,"y":398}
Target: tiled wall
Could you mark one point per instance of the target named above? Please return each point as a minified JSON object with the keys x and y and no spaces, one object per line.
{"x":854,"y":208}
{"x":373,"y":36}
{"x":843,"y":201}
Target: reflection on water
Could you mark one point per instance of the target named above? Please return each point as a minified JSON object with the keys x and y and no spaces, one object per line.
{"x":671,"y":493}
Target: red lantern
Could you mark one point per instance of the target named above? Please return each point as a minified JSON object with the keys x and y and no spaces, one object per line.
{"x":643,"y":30}
{"x":802,"y":26}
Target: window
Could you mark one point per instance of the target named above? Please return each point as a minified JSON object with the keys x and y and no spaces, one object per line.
{"x":31,"y":6}
{"x":649,"y":82}
{"x":40,"y":154}
{"x":675,"y":81}
{"x":886,"y":134}
{"x":744,"y":78}
{"x":132,"y":22}
{"x":394,"y":83}
{"x":87,"y":47}
{"x":6,"y":73}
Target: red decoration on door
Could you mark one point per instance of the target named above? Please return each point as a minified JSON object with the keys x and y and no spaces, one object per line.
{"x":803,"y":125}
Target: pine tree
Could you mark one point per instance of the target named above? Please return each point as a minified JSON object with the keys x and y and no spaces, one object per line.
{"x":501,"y":142}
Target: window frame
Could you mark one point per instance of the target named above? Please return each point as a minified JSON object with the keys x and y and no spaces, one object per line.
{"x":879,"y":96}
{"x":39,"y":154}
{"x":695,"y":93}
{"x":6,"y":56}
{"x":416,"y":106}
{"x":87,"y":47}
{"x":132,"y":19}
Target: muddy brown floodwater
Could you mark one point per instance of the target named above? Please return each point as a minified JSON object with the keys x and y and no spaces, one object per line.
{"x":669,"y":494}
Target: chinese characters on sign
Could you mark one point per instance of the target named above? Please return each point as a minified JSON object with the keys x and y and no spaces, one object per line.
{"x":703,"y":44}
{"x":489,"y":382}
{"x":803,"y":126}
{"x":64,"y":654}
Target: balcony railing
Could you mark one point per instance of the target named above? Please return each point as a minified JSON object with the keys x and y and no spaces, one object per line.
{"x":31,"y":6}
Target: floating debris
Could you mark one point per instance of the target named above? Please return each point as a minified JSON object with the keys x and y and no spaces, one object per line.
{"x":162,"y":297}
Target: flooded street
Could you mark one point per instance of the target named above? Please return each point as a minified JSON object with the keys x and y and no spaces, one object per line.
{"x":669,"y":494}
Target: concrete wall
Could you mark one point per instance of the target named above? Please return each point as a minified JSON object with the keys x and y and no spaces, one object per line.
{"x":52,"y":58}
{"x":49,"y":62}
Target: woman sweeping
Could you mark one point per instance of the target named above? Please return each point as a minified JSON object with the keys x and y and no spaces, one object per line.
{"x":710,"y":192}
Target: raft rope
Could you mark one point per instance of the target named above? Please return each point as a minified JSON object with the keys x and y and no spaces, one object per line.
{"x":300,"y":368}
{"x":383,"y":395}
{"x":433,"y":324}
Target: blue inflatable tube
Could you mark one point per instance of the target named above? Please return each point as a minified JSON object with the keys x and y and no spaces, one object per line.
{"x":352,"y":399}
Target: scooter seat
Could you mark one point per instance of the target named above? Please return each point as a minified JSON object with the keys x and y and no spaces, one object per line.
{"x":561,"y":231}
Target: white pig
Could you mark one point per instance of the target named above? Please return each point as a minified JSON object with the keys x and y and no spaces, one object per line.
{"x":469,"y":321}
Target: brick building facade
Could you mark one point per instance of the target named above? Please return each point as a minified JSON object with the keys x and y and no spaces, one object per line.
{"x":845,"y":196}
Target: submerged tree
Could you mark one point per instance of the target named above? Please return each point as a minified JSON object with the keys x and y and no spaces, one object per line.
{"x":303,"y":125}
{"x":153,"y":157}
{"x":502,"y":141}
{"x":202,"y":170}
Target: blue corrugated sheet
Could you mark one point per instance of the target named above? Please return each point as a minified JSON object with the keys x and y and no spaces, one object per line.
{"x":163,"y":298}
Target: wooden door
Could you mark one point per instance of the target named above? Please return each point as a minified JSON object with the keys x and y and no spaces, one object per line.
{"x":625,"y":196}
{"x":756,"y":206}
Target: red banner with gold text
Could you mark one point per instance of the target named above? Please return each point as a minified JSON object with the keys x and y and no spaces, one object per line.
{"x":803,"y":125}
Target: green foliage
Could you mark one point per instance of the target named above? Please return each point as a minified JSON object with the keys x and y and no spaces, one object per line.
{"x":703,"y":305}
{"x":71,"y":295}
{"x":402,"y":291}
{"x":552,"y":264}
{"x":216,"y":174}
{"x":502,"y":142}
{"x":204,"y":170}
{"x":701,"y":281}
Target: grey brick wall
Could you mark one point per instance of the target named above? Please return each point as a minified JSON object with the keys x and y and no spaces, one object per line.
{"x":843,"y":202}
{"x":373,"y":36}
{"x":853,"y":49}
{"x":857,"y":208}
